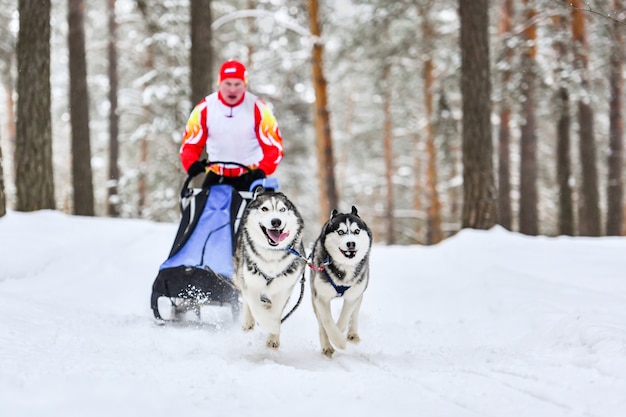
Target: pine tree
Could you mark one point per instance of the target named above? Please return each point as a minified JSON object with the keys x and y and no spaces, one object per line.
{"x":79,"y":111}
{"x":479,"y":194}
{"x":34,"y":179}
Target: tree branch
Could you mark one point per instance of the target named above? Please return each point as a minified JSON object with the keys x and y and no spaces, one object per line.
{"x":590,"y":10}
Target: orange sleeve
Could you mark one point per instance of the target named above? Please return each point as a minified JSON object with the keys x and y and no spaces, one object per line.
{"x":269,"y":137}
{"x":194,"y":137}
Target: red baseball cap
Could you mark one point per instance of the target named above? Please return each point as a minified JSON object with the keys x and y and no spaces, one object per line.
{"x":233,"y":69}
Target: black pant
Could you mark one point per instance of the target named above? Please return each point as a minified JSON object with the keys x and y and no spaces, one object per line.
{"x":240,"y":183}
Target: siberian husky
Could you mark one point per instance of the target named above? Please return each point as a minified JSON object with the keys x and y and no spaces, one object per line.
{"x":340,"y":269}
{"x":266,"y":269}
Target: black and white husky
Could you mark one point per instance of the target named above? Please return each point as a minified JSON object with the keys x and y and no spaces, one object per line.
{"x":340,"y":269}
{"x":266,"y":269}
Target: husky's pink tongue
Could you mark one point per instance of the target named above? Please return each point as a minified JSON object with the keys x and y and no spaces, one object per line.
{"x":277,"y":236}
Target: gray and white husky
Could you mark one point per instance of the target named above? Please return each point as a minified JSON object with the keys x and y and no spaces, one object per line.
{"x":340,"y":269}
{"x":266,"y":269}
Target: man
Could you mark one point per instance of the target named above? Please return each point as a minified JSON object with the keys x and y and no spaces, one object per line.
{"x":235,"y":126}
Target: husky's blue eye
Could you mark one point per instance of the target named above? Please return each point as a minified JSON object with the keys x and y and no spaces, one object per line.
{"x":357,"y":231}
{"x":341,"y":232}
{"x":282,"y":210}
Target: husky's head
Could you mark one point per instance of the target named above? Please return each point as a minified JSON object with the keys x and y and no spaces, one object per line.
{"x":346,"y":237}
{"x":272,"y":218}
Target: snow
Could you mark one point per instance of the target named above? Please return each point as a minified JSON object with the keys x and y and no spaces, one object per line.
{"x":487,"y":323}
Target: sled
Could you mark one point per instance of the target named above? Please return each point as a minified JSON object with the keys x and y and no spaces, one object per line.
{"x":199,"y":269}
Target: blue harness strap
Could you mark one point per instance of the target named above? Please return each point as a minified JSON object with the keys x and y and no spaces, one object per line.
{"x":340,"y":289}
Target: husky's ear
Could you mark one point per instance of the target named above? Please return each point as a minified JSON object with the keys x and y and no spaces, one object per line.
{"x":354,"y":211}
{"x":257,"y":191}
{"x":333,"y":213}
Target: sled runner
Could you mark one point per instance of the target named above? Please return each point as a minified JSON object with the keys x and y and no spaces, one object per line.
{"x":199,"y":268}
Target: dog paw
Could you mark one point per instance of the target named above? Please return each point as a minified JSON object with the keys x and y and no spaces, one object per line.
{"x":353,"y":338}
{"x":246,"y":326}
{"x":273,"y":342}
{"x":328,"y":352}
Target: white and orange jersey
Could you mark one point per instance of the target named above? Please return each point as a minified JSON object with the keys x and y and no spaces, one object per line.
{"x":246,"y":133}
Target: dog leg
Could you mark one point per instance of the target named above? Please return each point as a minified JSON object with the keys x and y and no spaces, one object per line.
{"x":273,"y":341}
{"x":346,"y":313}
{"x":326,"y":321}
{"x":327,"y":348}
{"x":349,"y":310}
{"x":353,"y":329}
{"x":247,"y":322}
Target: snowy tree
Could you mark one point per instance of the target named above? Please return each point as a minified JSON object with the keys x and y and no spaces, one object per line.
{"x":394,"y":102}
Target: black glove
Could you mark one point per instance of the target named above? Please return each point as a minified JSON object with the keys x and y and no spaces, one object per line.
{"x":197,"y":167}
{"x":255,"y":174}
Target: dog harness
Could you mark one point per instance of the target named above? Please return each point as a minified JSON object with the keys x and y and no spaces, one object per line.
{"x":268,"y":279}
{"x":253,"y":267}
{"x":340,"y":289}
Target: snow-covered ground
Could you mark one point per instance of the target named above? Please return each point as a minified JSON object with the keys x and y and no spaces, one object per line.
{"x":487,"y":323}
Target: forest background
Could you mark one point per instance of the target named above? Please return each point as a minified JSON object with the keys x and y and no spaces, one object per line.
{"x":392,"y":72}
